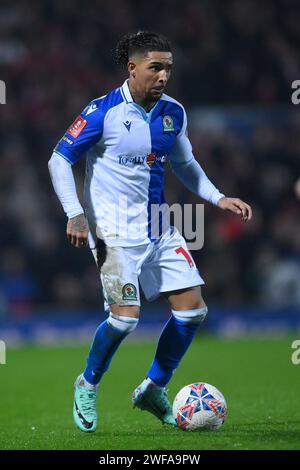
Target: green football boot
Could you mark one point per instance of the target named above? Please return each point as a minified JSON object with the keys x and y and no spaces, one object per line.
{"x":155,"y":400}
{"x":84,"y":410}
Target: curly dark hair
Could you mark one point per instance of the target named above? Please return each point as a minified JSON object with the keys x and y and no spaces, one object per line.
{"x":140,"y":42}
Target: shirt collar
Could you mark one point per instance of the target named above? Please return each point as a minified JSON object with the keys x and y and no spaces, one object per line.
{"x":126,"y":92}
{"x":128,"y":98}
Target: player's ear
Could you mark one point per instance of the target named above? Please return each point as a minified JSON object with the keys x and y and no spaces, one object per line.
{"x":131,"y":66}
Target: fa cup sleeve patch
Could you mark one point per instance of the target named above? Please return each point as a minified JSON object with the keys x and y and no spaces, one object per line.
{"x":77,"y":127}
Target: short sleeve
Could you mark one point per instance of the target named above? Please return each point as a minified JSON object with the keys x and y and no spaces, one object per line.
{"x":83,"y":133}
{"x":182,"y":151}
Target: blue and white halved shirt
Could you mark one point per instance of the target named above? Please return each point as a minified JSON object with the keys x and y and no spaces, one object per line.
{"x":126,"y":150}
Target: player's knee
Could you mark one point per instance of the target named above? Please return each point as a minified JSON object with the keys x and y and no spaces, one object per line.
{"x":125,"y":310}
{"x":196,"y":315}
{"x":123,"y":323}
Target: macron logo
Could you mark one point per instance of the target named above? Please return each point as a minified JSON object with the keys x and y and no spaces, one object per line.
{"x":127,"y":124}
{"x":91,"y":109}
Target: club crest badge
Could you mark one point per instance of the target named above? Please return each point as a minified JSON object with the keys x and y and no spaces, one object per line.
{"x":168,"y":124}
{"x":129,"y":292}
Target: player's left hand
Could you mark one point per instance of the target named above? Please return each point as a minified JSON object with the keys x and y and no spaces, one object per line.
{"x":237,"y":206}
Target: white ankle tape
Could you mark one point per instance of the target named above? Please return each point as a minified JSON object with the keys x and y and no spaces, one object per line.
{"x":196,"y":315}
{"x":121,"y":323}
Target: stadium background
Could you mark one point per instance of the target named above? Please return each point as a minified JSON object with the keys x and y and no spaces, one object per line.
{"x":234,"y":65}
{"x":233,"y":72}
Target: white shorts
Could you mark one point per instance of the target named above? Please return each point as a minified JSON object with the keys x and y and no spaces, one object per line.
{"x":160,"y":266}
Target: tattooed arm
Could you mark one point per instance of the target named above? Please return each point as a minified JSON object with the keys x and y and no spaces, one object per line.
{"x":63,"y":182}
{"x":77,"y":231}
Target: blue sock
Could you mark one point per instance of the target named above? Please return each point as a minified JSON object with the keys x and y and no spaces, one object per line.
{"x":106,"y":341}
{"x":173,"y":343}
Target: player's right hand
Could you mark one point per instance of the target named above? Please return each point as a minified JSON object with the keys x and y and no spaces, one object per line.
{"x":77,"y":231}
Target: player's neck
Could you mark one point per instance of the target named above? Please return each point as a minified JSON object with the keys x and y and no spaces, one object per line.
{"x":140,"y":99}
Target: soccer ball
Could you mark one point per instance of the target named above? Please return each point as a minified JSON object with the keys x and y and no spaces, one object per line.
{"x":199,"y":406}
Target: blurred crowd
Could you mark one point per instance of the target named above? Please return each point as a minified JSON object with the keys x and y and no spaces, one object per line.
{"x":56,"y":56}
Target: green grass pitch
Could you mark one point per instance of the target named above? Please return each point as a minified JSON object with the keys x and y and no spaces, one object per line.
{"x":256,"y":376}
